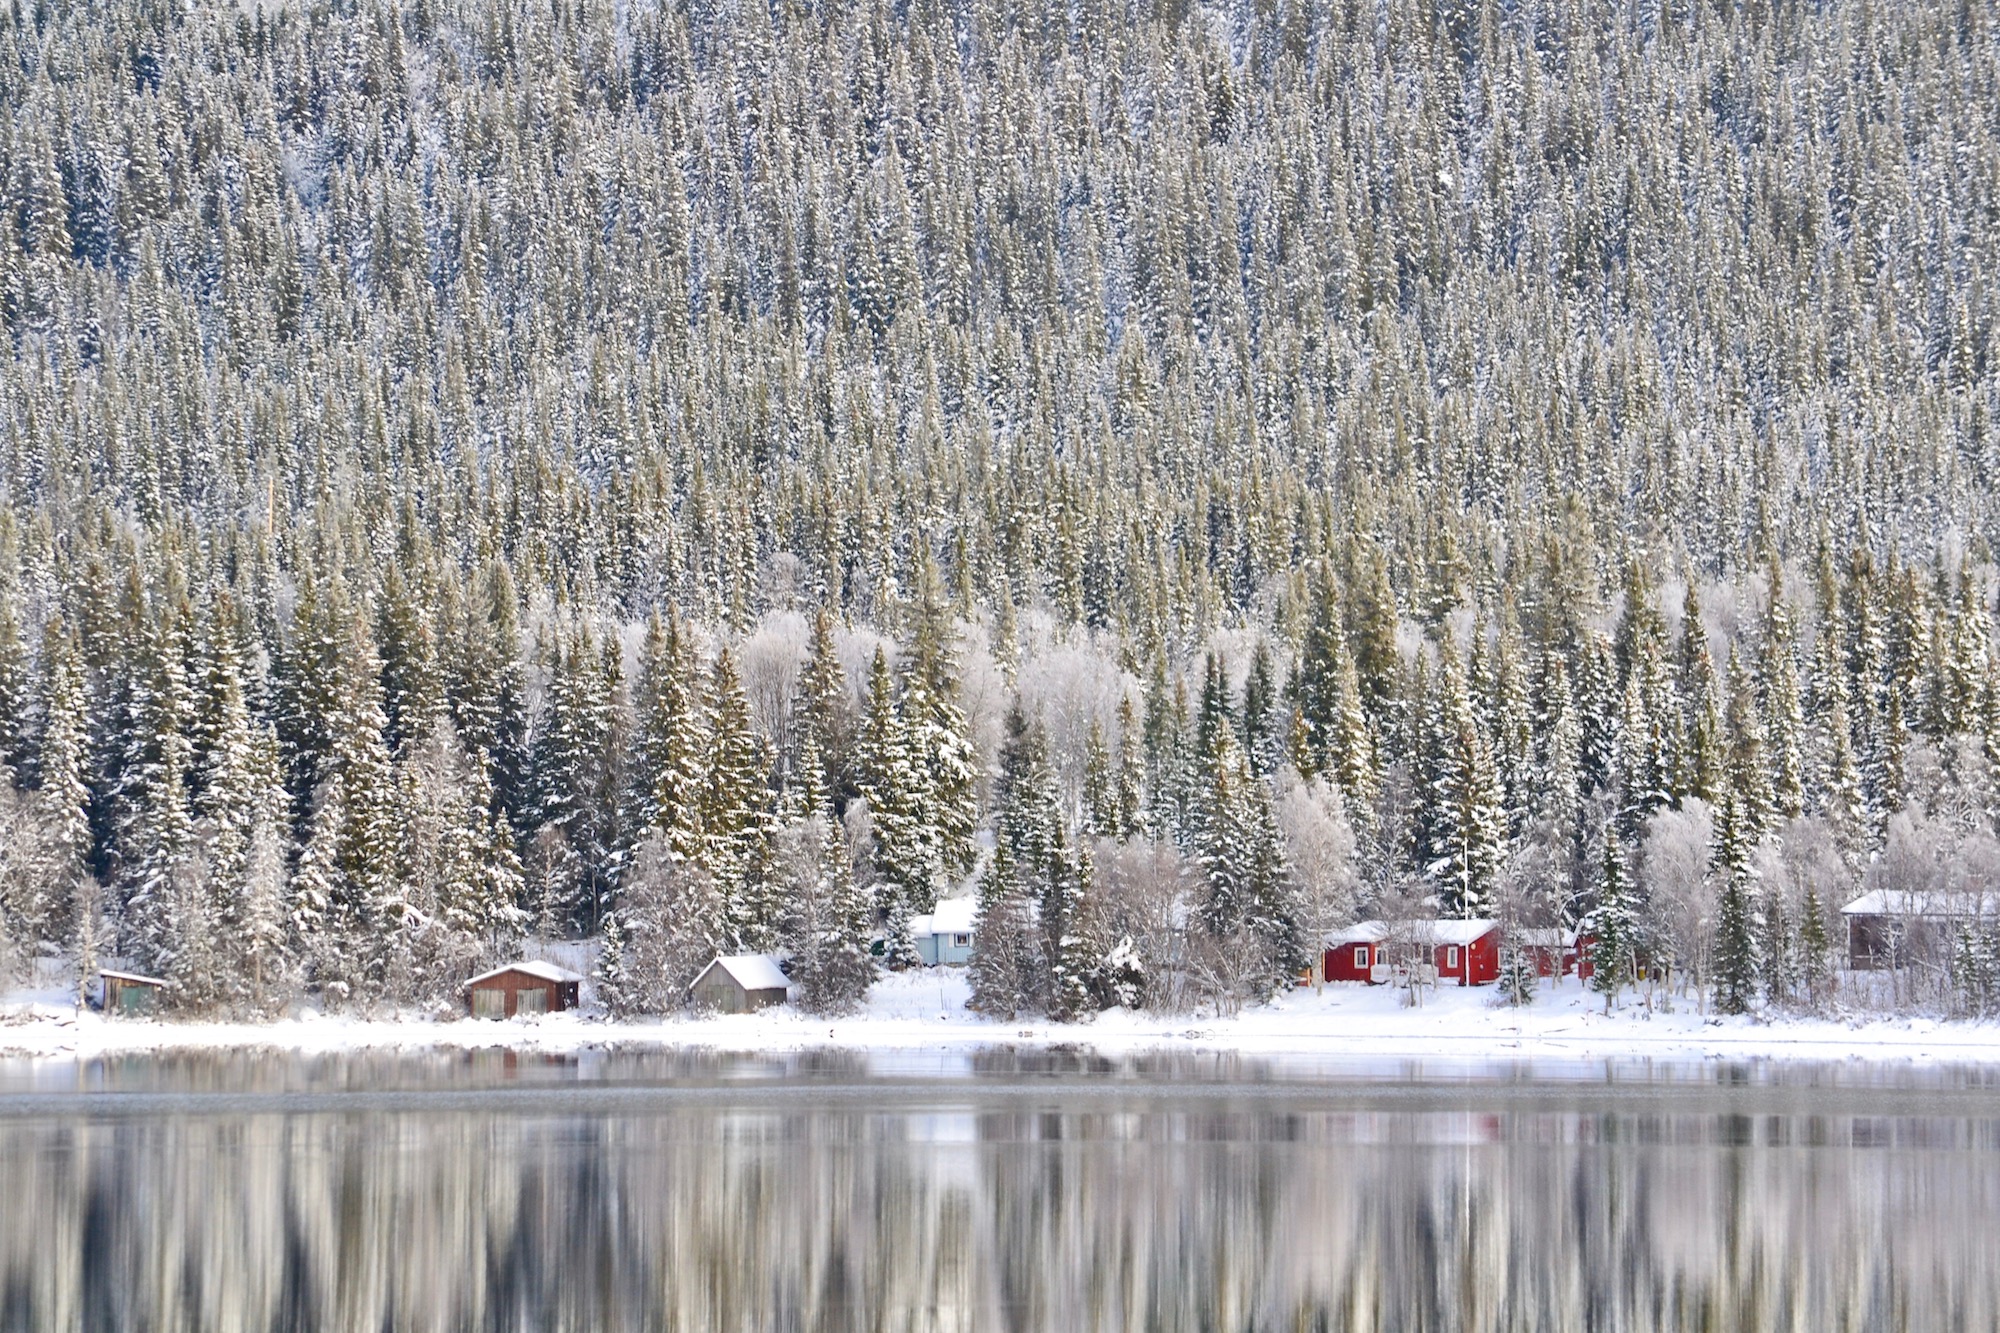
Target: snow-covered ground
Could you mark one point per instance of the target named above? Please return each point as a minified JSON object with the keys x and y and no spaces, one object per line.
{"x":925,"y":1010}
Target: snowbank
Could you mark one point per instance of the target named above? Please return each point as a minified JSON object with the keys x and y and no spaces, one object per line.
{"x":925,"y":1009}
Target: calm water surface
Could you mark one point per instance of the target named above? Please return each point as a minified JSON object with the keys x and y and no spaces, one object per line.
{"x":1004,"y":1191}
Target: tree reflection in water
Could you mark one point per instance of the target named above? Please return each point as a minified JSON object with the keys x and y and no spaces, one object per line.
{"x":1027,"y":1192}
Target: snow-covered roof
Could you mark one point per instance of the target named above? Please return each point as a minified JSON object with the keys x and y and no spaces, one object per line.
{"x":1544,"y":937}
{"x":1902,"y":902}
{"x":1461,"y":932}
{"x":952,"y":916}
{"x":753,"y":971}
{"x":1431,"y":932}
{"x":138,"y":977}
{"x":538,"y":969}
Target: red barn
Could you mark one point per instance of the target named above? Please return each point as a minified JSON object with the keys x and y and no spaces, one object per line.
{"x":1466,"y":952}
{"x":1355,"y":954}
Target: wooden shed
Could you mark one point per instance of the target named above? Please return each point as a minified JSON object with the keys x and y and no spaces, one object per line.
{"x":522,"y":988}
{"x":943,"y":935}
{"x":129,"y":994}
{"x":739,"y":983}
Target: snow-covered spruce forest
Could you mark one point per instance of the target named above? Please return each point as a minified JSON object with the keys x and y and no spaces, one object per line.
{"x":723,"y":477}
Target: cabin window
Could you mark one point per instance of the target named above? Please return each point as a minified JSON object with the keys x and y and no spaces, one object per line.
{"x":531,"y":1002}
{"x":1451,"y":957}
{"x":489,"y":1004}
{"x":961,"y":941}
{"x":1361,"y":956}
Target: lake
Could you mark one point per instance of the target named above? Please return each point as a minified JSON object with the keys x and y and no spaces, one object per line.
{"x":1006,"y":1190}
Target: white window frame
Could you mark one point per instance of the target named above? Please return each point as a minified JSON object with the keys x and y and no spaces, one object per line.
{"x":1451,"y":956}
{"x":961,"y":941}
{"x":1361,"y":956}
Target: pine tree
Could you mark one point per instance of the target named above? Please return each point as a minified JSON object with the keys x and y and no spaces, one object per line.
{"x":734,"y":818}
{"x":65,"y":758}
{"x":671,"y":924}
{"x":1737,"y":964}
{"x":1354,"y":768}
{"x":1464,"y":817}
{"x":1316,"y":684}
{"x":1003,"y":970}
{"x":821,"y":721}
{"x":1099,"y":792}
{"x":1262,"y":735}
{"x":1512,"y":725}
{"x":1077,"y":948}
{"x":906,"y":854}
{"x":1749,"y":771}
{"x":670,"y":741}
{"x":827,"y":919}
{"x":412,"y":686}
{"x":14,"y":687}
{"x":1518,"y":975}
{"x":940,"y":752}
{"x":1815,"y":970}
{"x":1786,"y":730}
{"x":1128,"y":794}
{"x":1614,"y":923}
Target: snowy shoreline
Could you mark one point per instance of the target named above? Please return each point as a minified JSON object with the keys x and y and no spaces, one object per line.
{"x":925,"y":1011}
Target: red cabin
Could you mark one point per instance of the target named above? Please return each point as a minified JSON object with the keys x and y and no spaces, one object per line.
{"x":1557,"y":953}
{"x":1585,"y":944}
{"x":1466,"y":952}
{"x":1355,"y":954}
{"x":1463,"y":952}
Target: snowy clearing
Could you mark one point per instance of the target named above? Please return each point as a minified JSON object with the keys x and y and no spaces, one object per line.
{"x":926,"y":1009}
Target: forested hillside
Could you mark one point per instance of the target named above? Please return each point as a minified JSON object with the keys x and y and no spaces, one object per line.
{"x":722,"y":476}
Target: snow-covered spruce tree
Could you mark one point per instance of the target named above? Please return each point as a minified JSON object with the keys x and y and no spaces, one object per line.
{"x":64,"y":760}
{"x":735,"y":818}
{"x":1100,"y":811}
{"x":479,"y":650}
{"x":1128,"y":784}
{"x":940,"y":752}
{"x":1737,"y":964}
{"x":15,"y":683}
{"x":671,"y":918}
{"x":1004,"y":970}
{"x":1259,"y":719}
{"x":827,"y":919}
{"x":1315,"y":685}
{"x":670,"y":740}
{"x":1613,"y":924}
{"x":1518,"y":975}
{"x":1815,"y":964}
{"x":1974,"y":970}
{"x":906,"y":849}
{"x":571,"y":776}
{"x":822,"y":723}
{"x":240,"y":833}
